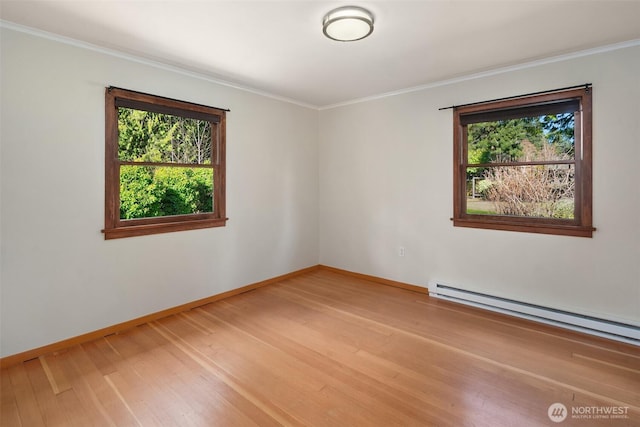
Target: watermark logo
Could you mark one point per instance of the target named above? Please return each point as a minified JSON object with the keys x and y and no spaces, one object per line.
{"x":557,"y":412}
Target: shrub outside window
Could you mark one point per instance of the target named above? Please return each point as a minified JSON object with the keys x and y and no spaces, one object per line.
{"x":164,"y":165}
{"x":524,"y":164}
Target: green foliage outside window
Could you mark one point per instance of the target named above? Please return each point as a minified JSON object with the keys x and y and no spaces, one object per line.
{"x":501,"y":141}
{"x":534,"y":191}
{"x":153,"y":191}
{"x":162,"y":191}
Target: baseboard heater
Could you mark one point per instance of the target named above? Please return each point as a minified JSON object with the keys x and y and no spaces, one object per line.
{"x":592,"y":325}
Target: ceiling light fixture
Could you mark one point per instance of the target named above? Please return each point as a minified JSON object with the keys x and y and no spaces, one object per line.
{"x":347,"y":24}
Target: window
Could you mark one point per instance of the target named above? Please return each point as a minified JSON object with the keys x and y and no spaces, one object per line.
{"x":524,"y":164}
{"x":164,"y":165}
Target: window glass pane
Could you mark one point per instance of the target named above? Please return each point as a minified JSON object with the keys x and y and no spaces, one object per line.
{"x":147,"y":191}
{"x":539,"y":138}
{"x":542,"y":191}
{"x":145,"y":136}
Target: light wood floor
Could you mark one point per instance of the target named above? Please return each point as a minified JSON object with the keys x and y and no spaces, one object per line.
{"x":326,"y":349}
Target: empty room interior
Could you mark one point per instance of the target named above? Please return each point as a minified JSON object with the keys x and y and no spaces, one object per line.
{"x":320,"y":213}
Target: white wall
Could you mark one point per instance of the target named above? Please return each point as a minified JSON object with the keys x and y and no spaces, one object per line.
{"x":59,"y":277}
{"x":343,"y":187}
{"x":386,"y":181}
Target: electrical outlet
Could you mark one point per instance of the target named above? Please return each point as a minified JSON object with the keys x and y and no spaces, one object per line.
{"x":401,"y":251}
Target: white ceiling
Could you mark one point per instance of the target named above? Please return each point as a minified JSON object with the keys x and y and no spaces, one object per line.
{"x":278,"y":46}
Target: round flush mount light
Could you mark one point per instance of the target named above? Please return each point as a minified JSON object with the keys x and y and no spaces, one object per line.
{"x":347,"y":24}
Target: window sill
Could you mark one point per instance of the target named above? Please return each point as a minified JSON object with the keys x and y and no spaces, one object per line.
{"x":541,"y":228}
{"x":166,"y":227}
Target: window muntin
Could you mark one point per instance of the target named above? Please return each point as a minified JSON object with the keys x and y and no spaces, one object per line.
{"x":524,"y":164}
{"x":165,"y":165}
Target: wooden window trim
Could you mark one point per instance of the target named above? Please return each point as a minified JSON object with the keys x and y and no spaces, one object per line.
{"x":115,"y":227}
{"x":581,"y":225}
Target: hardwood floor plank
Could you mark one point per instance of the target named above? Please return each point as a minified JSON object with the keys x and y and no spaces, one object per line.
{"x":634,"y":370}
{"x":209,"y":400}
{"x":335,"y":374}
{"x":565,"y":336}
{"x":328,"y":349}
{"x":53,"y":413}
{"x":137,"y":388}
{"x":303,"y":368}
{"x":28,"y":410}
{"x":345,"y":355}
{"x":50,"y":365}
{"x":9,"y":413}
{"x":336,"y":362}
{"x":473,"y":341}
{"x":97,"y":358}
{"x":109,"y":379}
{"x":94,"y":392}
{"x":212,"y":367}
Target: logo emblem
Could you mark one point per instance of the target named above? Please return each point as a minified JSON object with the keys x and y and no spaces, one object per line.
{"x":557,"y":412}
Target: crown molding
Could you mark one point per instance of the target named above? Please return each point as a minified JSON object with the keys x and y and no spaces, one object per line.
{"x":149,"y":62}
{"x":489,"y":73}
{"x":211,"y":79}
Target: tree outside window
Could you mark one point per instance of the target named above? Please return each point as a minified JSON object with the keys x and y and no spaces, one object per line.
{"x":524,"y":164}
{"x":164,"y":165}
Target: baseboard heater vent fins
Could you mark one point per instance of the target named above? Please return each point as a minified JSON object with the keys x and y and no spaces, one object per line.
{"x":592,"y":325}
